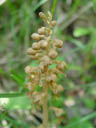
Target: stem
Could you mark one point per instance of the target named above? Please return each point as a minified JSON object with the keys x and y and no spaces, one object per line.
{"x":45,"y":90}
{"x":45,"y":103}
{"x":45,"y":110}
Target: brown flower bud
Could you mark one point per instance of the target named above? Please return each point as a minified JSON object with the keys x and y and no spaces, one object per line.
{"x":35,"y":36}
{"x":58,"y":43}
{"x":30,"y":51}
{"x":45,"y":60}
{"x":36,"y":56}
{"x":54,"y":87}
{"x":48,"y":79}
{"x":54,"y":23}
{"x":43,"y":44}
{"x":51,"y":77}
{"x":48,"y":31}
{"x":36,"y":46}
{"x":42,"y":15}
{"x":42,"y":30}
{"x":61,"y":66}
{"x":55,"y":71}
{"x":52,"y":54}
{"x":58,"y":111}
{"x":54,"y":77}
{"x":33,"y":57}
{"x":30,"y":70}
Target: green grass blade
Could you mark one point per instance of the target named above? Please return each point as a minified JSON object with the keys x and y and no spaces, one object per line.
{"x":86,"y":118}
{"x":39,"y":4}
{"x":54,"y":7}
{"x":10,"y":95}
{"x":17,"y":79}
{"x":73,"y":8}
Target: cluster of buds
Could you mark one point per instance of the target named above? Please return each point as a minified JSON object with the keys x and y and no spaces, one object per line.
{"x":44,"y":50}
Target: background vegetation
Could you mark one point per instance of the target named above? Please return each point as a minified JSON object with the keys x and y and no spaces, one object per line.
{"x":76,"y":26}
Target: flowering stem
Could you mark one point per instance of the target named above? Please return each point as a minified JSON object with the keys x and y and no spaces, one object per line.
{"x":45,"y":103}
{"x":45,"y":110}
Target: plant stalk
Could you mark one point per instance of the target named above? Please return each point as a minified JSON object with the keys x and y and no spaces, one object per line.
{"x":45,"y":103}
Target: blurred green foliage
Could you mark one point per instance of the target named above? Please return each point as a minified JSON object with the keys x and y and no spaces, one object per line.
{"x":76,"y":25}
